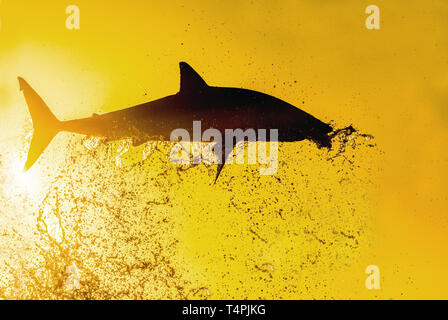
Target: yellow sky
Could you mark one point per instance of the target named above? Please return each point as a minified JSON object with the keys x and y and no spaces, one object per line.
{"x":391,"y":83}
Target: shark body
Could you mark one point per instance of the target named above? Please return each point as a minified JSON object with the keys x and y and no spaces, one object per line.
{"x":216,"y":107}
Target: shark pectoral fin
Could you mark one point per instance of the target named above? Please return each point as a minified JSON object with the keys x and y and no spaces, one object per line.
{"x":220,"y":167}
{"x":225,"y":155}
{"x":190,"y":80}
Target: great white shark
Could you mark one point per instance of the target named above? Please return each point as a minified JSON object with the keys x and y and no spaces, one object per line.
{"x":216,"y":107}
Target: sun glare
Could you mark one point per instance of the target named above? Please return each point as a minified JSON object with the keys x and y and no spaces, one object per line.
{"x":23,"y":181}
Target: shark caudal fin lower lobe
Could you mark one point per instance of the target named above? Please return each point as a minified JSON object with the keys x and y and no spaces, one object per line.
{"x":45,"y":124}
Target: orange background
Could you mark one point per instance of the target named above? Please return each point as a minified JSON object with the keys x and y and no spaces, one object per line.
{"x":318,"y":55}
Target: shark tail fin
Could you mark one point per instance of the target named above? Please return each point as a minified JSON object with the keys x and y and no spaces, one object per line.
{"x":45,"y":124}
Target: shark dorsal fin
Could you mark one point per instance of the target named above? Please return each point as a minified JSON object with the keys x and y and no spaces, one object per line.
{"x":190,"y":80}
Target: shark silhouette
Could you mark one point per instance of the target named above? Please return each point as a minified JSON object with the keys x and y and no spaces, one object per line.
{"x":216,"y":107}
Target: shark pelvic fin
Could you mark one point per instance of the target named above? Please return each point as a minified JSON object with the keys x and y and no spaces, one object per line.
{"x":190,"y":80}
{"x":227,"y":152}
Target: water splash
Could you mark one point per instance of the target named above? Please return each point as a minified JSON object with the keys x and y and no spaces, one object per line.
{"x":91,"y":143}
{"x":349,"y":137}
